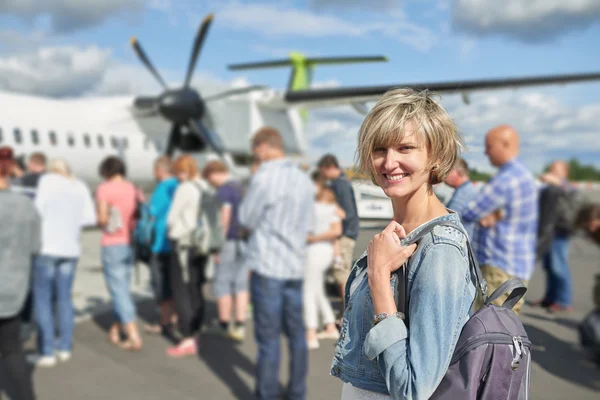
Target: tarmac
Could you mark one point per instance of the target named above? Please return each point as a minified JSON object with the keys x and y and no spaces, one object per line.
{"x":224,"y":370}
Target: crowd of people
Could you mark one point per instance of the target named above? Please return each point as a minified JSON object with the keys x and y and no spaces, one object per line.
{"x":275,"y":240}
{"x":312,"y":223}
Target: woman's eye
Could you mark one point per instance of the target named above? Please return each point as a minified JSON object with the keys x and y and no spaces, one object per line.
{"x":379,"y":149}
{"x":405,"y":148}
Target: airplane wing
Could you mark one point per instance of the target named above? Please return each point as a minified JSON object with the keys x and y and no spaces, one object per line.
{"x":355,"y":95}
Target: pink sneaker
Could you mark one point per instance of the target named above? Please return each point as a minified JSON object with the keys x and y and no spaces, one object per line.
{"x":184,"y":349}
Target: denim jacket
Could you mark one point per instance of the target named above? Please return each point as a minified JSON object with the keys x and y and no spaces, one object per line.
{"x":389,"y":358}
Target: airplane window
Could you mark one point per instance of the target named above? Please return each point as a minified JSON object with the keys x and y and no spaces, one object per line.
{"x":17,"y":134}
{"x":124,"y":142}
{"x":114,"y":142}
{"x":100,"y":141}
{"x":86,"y":140}
{"x":71,"y":140}
{"x":35,"y":138}
{"x":52,"y":136}
{"x":0,"y":135}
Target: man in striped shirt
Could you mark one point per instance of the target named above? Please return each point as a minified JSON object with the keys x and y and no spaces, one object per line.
{"x":506,"y":247}
{"x":278,"y":211}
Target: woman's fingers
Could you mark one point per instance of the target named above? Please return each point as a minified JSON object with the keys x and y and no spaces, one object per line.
{"x":396,"y":231}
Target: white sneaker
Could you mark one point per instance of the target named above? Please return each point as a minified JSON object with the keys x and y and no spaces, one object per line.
{"x":238,"y":333}
{"x":313,"y":344}
{"x":63,"y":356}
{"x":41,"y":361}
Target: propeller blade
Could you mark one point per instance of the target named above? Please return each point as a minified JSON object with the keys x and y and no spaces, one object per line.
{"x":173,"y":139}
{"x":207,"y":136}
{"x":142,"y":56}
{"x":214,"y":142}
{"x":200,"y":37}
{"x":234,"y":92}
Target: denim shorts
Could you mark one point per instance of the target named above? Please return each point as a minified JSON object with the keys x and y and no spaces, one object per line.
{"x":231,"y":274}
{"x":117,"y":264}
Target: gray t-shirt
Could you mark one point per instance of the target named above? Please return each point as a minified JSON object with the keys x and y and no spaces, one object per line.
{"x":20,"y":240}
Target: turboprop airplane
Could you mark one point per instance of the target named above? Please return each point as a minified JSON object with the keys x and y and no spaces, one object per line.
{"x":217,"y":124}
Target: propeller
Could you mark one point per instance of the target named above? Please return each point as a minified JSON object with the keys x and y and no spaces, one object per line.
{"x":184,"y":107}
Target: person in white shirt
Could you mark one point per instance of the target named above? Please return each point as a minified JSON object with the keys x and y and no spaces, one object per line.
{"x":187,"y":271}
{"x":65,"y":206}
{"x":319,"y":257}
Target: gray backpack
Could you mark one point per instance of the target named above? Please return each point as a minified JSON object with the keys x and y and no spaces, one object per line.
{"x":207,"y":237}
{"x":492,"y":358}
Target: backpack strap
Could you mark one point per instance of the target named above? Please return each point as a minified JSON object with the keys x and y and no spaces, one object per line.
{"x":201,"y":192}
{"x":402,"y":273}
{"x":516,"y":288}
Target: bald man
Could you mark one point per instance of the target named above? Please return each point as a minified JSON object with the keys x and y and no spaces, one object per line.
{"x":505,"y":248}
{"x":558,"y":210}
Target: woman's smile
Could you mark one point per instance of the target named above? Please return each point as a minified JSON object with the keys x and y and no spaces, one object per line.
{"x":395,"y":179}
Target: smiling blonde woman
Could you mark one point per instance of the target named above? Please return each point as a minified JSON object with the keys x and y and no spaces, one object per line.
{"x":407,"y":144}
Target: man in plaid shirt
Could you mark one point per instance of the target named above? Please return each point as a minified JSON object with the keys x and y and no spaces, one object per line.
{"x":505,"y":245}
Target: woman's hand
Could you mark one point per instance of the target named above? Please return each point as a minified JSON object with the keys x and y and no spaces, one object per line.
{"x":385,"y":254}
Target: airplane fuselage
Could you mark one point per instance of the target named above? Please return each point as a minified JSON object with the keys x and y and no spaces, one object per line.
{"x":86,"y":130}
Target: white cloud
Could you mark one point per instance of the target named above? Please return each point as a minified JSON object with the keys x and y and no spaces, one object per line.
{"x":54,"y":71}
{"x":277,"y":21}
{"x":12,"y":40}
{"x":69,"y":15}
{"x":549,"y":128}
{"x":526,"y":20}
{"x":333,"y":131}
{"x":122,"y":79}
{"x":70,"y":71}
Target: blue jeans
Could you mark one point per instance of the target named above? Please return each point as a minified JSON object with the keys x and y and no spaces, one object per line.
{"x":558,"y":276}
{"x":277,"y":306}
{"x":117,"y":263}
{"x":53,"y":277}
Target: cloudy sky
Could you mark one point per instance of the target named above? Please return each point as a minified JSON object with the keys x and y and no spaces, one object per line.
{"x":67,"y":48}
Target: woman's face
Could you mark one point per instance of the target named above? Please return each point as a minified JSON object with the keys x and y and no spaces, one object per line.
{"x":400,"y":170}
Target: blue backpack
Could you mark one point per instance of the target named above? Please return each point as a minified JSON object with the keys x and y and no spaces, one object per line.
{"x":143,"y":234}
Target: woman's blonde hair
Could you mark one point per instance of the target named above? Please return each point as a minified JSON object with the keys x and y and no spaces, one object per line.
{"x":60,"y":166}
{"x":399,"y":109}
